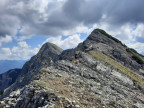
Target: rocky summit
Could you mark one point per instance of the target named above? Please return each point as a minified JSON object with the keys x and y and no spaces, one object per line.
{"x":108,"y":75}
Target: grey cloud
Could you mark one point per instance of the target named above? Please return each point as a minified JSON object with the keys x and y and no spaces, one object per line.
{"x":59,"y":17}
{"x":118,"y":12}
{"x":140,"y":39}
{"x":87,"y":12}
{"x":125,"y":11}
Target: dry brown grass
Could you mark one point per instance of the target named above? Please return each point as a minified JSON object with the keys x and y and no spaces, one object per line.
{"x":69,"y":88}
{"x":132,"y":75}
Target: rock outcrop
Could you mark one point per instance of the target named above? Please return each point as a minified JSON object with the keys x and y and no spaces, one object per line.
{"x":107,"y":76}
{"x":101,"y":41}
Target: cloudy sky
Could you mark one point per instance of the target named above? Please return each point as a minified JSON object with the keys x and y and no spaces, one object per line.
{"x":26,"y":24}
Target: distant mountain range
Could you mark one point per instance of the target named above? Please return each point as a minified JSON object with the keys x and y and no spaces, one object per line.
{"x":6,"y":65}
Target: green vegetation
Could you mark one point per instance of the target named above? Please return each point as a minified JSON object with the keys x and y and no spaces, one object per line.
{"x":81,"y":84}
{"x":138,"y":59}
{"x":38,"y":83}
{"x":111,"y":37}
{"x":102,"y":57}
{"x":135,"y":55}
{"x":131,"y":50}
{"x":112,"y":103}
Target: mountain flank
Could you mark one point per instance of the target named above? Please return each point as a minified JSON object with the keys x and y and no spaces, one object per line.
{"x":8,"y":78}
{"x":108,"y":75}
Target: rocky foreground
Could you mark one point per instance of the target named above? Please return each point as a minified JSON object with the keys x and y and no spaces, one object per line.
{"x":106,"y":76}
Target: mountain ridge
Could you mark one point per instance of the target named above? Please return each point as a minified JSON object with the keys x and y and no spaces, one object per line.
{"x":107,"y":76}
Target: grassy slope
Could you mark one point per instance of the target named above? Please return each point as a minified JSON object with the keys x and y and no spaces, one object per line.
{"x":134,"y":54}
{"x":102,"y":57}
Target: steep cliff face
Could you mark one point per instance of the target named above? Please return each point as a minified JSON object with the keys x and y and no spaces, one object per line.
{"x":8,"y":78}
{"x":103,"y":78}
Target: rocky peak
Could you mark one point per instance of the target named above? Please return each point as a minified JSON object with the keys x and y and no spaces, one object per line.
{"x":43,"y":58}
{"x":101,"y":41}
{"x":49,"y":49}
{"x":103,"y":78}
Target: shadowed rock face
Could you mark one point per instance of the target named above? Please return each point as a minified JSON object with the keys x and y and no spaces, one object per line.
{"x":102,"y":77}
{"x":8,"y":78}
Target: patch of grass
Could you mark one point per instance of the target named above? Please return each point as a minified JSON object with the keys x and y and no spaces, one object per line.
{"x":138,"y":59}
{"x":102,"y":57}
{"x":38,"y":83}
{"x":112,"y":103}
{"x":135,"y":55}
{"x":111,"y":37}
{"x":81,"y":84}
{"x":131,"y":50}
{"x":44,"y":71}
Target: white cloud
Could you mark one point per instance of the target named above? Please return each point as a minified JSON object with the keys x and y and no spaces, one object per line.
{"x":123,"y":33}
{"x":137,"y":46}
{"x":23,"y":44}
{"x":139,"y":31}
{"x":126,"y":33}
{"x":22,"y":38}
{"x":69,"y":42}
{"x":21,"y":52}
{"x":138,"y":36}
{"x":78,"y":29}
{"x":6,"y":51}
{"x":5,"y":39}
{"x":67,"y":17}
